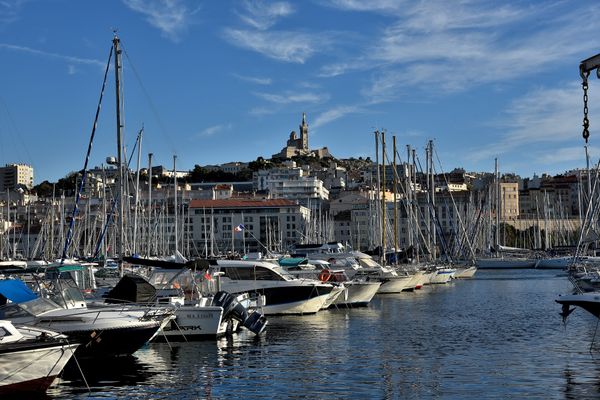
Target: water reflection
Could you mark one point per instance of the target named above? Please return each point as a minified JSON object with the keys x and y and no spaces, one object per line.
{"x":497,"y":336}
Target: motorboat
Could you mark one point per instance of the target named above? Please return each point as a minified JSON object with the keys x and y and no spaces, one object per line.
{"x":103,"y":332}
{"x":356,"y":292}
{"x":283,"y":293}
{"x":31,"y":358}
{"x":465,"y":272}
{"x":589,"y":301}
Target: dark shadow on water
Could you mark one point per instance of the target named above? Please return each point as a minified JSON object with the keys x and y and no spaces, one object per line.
{"x":116,"y":371}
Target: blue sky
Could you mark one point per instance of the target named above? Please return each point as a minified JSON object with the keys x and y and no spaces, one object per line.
{"x":218,"y":81}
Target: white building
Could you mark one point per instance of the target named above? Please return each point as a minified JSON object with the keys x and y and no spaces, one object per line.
{"x":292,"y":184}
{"x":14,"y":175}
{"x":243,"y":225}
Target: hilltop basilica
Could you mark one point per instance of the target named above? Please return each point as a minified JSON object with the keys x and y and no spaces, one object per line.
{"x":299,"y":146}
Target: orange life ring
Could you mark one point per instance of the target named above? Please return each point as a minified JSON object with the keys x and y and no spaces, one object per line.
{"x":325,"y":275}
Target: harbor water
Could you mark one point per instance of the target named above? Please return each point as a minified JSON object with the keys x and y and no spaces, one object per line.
{"x":496,"y":336}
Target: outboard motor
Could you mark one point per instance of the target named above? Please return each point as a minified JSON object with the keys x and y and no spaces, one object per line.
{"x":255,"y":322}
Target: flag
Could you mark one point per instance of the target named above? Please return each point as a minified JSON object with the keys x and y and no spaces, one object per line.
{"x":239,"y":228}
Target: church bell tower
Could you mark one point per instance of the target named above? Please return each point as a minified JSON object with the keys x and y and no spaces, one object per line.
{"x":304,"y":133}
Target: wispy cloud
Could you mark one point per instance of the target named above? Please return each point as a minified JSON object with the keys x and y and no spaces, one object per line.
{"x":293,"y":47}
{"x":9,"y":10}
{"x":254,"y":79}
{"x":71,"y":59}
{"x":262,"y":15}
{"x":215,"y":129}
{"x":385,"y":6}
{"x":566,"y":154}
{"x":438,"y":46}
{"x":171,"y":17}
{"x":541,"y":117}
{"x":293,"y":97}
{"x":334,"y":114}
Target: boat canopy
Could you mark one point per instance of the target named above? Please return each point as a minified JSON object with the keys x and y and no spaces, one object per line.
{"x":292,"y":261}
{"x":16,"y":291}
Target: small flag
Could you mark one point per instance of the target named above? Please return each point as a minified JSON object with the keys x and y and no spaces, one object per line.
{"x":239,"y":228}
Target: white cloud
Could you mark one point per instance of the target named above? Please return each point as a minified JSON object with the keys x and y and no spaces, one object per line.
{"x":171,"y":17}
{"x":9,"y":10}
{"x":71,"y":70}
{"x":439,"y":46}
{"x":254,"y":79}
{"x":385,"y":6}
{"x":292,"y":97}
{"x":567,"y":154}
{"x":213,"y":130}
{"x":293,"y":47}
{"x":71,"y":59}
{"x":262,"y":15}
{"x":334,"y":114}
{"x":542,"y":117}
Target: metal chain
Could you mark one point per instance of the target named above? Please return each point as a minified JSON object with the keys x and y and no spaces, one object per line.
{"x":586,"y":121}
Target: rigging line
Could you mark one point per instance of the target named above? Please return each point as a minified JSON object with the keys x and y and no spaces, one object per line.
{"x":16,"y":131}
{"x":163,"y":130}
{"x":85,"y":165}
{"x":113,"y":208}
{"x":454,"y":203}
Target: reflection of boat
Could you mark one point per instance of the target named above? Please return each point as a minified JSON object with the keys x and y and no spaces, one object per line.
{"x":30,"y":358}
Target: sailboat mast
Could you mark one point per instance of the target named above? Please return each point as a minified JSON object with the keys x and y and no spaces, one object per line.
{"x":433,"y":206}
{"x":137,"y":190}
{"x":383,"y":206}
{"x":395,"y":204}
{"x":149,"y":237}
{"x":497,"y":233}
{"x":378,"y":193}
{"x":120,"y":185}
{"x":175,"y":203}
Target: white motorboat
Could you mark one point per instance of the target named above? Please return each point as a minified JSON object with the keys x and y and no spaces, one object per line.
{"x":589,"y":301}
{"x":284,"y":294}
{"x":356,"y":292}
{"x":103,"y":332}
{"x":442,"y":275}
{"x":465,"y":272}
{"x":201,"y":311}
{"x":31,"y":358}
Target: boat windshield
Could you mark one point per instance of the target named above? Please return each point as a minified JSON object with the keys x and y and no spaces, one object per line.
{"x":256,"y":273}
{"x":39,"y":306}
{"x":69,"y":297}
{"x":368,"y":263}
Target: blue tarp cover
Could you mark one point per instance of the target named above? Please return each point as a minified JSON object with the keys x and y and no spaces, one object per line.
{"x":16,"y":291}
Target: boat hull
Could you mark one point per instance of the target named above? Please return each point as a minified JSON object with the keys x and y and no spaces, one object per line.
{"x":32,"y":370}
{"x":588,"y":301}
{"x":115,"y":342}
{"x":357,"y":294}
{"x":465,"y":273}
{"x":395,"y":284}
{"x":194,"y":323}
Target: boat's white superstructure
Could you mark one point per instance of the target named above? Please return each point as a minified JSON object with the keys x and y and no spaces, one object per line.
{"x":283,"y":293}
